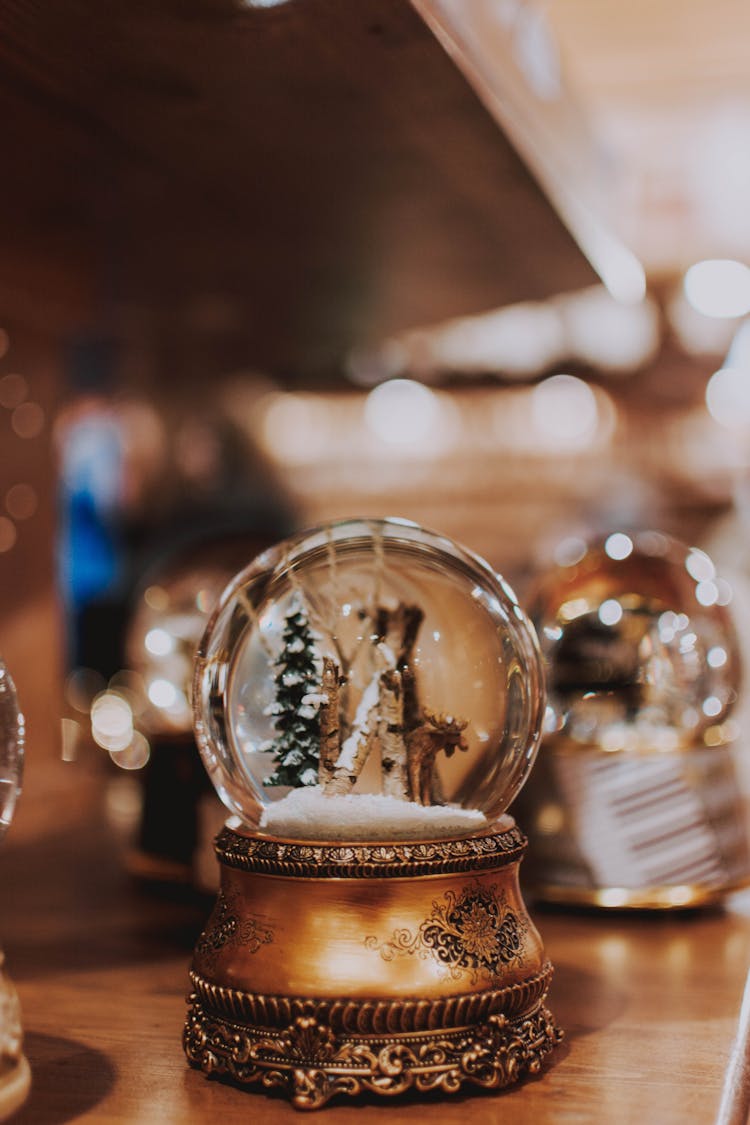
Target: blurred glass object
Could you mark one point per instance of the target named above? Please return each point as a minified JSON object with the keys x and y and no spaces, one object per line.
{"x":160,"y":642}
{"x":168,"y":616}
{"x":11,"y":748}
{"x":626,"y":632}
{"x":14,"y":1069}
{"x":635,"y":799}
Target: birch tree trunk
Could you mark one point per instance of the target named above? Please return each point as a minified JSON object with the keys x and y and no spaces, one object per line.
{"x":391,"y":736}
{"x":329,"y":722}
{"x":355,"y":750}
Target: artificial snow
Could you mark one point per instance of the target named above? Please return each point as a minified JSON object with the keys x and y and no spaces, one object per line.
{"x":291,"y":679}
{"x":315,"y":699}
{"x":308,"y":814}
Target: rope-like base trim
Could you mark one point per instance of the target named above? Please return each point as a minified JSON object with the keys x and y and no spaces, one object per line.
{"x":373,"y":1017}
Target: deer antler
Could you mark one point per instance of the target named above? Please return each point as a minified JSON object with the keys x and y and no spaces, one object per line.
{"x":446,"y":724}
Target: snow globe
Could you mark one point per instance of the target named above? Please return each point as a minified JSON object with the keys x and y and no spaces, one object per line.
{"x":368,"y":701}
{"x":635,"y":800}
{"x":169,"y":615}
{"x":14,"y":1069}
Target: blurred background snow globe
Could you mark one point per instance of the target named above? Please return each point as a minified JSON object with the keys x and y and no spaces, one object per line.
{"x":14,"y":1070}
{"x":368,"y":680}
{"x":639,"y":643}
{"x":635,"y":800}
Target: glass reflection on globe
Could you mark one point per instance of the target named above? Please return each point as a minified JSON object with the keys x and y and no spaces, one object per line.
{"x":368,"y":680}
{"x":635,"y":800}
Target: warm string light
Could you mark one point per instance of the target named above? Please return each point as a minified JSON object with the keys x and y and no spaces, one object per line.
{"x":518,"y":342}
{"x":404,"y":420}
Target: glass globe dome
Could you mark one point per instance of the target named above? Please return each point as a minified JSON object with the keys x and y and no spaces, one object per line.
{"x":368,"y":680}
{"x":640,"y":649}
{"x":11,"y":749}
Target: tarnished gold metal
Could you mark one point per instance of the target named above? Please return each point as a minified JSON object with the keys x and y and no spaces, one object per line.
{"x":328,"y":968}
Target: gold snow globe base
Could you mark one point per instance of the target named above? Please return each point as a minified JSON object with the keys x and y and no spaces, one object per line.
{"x":345,"y":968}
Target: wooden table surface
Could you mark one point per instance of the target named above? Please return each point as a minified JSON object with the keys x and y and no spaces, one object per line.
{"x":650,"y":1005}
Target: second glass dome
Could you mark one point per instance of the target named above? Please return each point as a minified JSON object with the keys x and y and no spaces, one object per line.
{"x":11,"y":749}
{"x":368,"y":680}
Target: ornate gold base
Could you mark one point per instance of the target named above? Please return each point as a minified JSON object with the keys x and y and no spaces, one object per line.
{"x":338,"y":969}
{"x":312,"y":1063}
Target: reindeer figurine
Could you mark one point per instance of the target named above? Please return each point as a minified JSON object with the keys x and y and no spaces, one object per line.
{"x":423,"y":744}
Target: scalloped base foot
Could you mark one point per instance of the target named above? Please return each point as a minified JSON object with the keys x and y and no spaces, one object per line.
{"x":312,"y":1064}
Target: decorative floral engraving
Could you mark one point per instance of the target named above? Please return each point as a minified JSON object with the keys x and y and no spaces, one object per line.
{"x":311,"y":1064}
{"x":224,"y":928}
{"x":468,"y":933}
{"x":402,"y":941}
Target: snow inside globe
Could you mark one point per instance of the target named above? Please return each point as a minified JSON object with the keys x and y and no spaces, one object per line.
{"x":368,"y":680}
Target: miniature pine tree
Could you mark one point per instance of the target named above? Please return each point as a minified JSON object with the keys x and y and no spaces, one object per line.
{"x":296,"y":747}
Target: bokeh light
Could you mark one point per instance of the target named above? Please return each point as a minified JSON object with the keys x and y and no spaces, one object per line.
{"x":718,"y":287}
{"x":13,"y":390}
{"x":111,"y":721}
{"x":618,"y":546}
{"x":162,"y":693}
{"x":21,"y":501}
{"x":564,"y":412}
{"x":728,"y":397}
{"x":401,"y":411}
{"x":8,"y":534}
{"x":28,"y":420}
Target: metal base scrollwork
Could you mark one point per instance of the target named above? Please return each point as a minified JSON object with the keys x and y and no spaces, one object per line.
{"x":329,"y":969}
{"x":312,"y":1064}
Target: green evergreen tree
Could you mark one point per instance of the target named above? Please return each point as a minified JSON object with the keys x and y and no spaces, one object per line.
{"x":296,"y":747}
